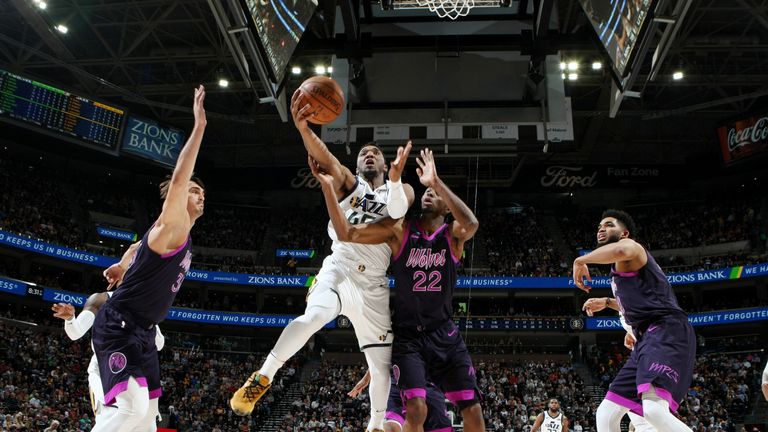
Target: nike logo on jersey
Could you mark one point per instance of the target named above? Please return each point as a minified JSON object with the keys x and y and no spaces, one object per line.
{"x":453,"y":332}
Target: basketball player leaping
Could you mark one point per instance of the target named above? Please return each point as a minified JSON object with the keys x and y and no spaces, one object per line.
{"x":352,"y":280}
{"x":77,"y":326}
{"x":659,"y":371}
{"x":551,"y":420}
{"x":425,"y":255}
{"x":124,"y":328}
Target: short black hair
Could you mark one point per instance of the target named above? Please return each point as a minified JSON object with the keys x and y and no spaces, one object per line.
{"x":167,"y":183}
{"x":623,"y":218}
{"x":371,"y":144}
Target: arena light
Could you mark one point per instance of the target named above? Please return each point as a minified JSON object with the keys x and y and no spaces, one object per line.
{"x":573,"y":76}
{"x":296,"y":70}
{"x":223,"y":83}
{"x":597,"y":65}
{"x":41,"y":5}
{"x":62,"y":28}
{"x":563,"y":65}
{"x":677,"y":75}
{"x":320,"y":70}
{"x":330,"y":69}
{"x":563,"y":75}
{"x":573,"y":66}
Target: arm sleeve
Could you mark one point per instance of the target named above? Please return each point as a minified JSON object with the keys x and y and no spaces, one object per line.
{"x":765,"y":374}
{"x":159,"y":339}
{"x":75,"y":328}
{"x":626,"y":326}
{"x":397,"y":202}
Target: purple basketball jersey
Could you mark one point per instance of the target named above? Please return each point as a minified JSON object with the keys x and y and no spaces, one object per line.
{"x":152,"y":281}
{"x":645,"y":295}
{"x":425,"y":278}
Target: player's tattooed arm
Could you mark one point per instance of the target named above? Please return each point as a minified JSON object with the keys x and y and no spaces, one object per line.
{"x":383,"y":231}
{"x":343,"y":179}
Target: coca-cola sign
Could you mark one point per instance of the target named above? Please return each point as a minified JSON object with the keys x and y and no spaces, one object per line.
{"x":561,"y":176}
{"x":744,"y":138}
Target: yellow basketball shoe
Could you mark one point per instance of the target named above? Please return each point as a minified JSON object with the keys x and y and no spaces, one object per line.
{"x":245,"y":397}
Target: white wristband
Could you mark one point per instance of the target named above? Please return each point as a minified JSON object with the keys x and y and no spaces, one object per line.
{"x":397,"y":202}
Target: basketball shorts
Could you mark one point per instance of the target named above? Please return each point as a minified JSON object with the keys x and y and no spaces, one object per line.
{"x":363,"y":298}
{"x":664,"y":358}
{"x":437,"y":413}
{"x":124,"y":350}
{"x":439,"y":356}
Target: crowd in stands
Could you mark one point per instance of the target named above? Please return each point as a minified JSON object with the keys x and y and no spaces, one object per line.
{"x":324,"y":405}
{"x":38,"y":208}
{"x":508,"y":244}
{"x":197,"y":386}
{"x":302,"y":229}
{"x":673,"y":226}
{"x":231,"y":227}
{"x":43,"y":382}
{"x":518,"y":245}
{"x":46,"y":382}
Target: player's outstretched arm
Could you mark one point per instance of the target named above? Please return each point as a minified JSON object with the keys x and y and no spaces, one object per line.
{"x":465,"y":224}
{"x":537,"y":424}
{"x":343,"y":179}
{"x":173,"y":225}
{"x":77,"y":327}
{"x":372,"y":233}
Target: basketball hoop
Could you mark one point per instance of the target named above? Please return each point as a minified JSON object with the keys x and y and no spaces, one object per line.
{"x":448,"y":8}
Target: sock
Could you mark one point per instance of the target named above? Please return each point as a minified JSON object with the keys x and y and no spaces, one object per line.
{"x":379,"y":361}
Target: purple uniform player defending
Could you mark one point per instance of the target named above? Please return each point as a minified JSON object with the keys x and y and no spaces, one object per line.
{"x":124,"y":328}
{"x":425,"y":254}
{"x":659,"y":371}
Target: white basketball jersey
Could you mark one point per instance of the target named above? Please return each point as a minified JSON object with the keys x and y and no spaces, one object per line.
{"x":363,"y":205}
{"x":552,"y":424}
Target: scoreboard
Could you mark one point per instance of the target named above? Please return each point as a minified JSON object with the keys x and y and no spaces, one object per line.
{"x":58,"y":112}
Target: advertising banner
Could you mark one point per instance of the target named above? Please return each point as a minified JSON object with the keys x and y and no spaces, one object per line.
{"x":117,"y":234}
{"x":151,"y":140}
{"x":743,"y":138}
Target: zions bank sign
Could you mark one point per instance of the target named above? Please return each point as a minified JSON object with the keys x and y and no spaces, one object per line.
{"x":148,"y":139}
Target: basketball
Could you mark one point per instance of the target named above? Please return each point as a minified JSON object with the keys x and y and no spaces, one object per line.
{"x":326,"y":98}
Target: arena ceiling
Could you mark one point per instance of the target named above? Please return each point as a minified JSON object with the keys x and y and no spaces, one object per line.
{"x":149,"y":54}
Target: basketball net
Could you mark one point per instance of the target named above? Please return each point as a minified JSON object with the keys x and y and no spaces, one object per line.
{"x":448,"y":8}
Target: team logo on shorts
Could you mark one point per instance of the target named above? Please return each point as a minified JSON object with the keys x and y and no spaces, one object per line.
{"x":117,"y":362}
{"x":396,"y":373}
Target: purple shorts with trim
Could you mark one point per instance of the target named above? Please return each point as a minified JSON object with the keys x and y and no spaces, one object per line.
{"x":439,"y":356}
{"x":437,"y":413}
{"x":663,"y":357}
{"x":124,"y":350}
